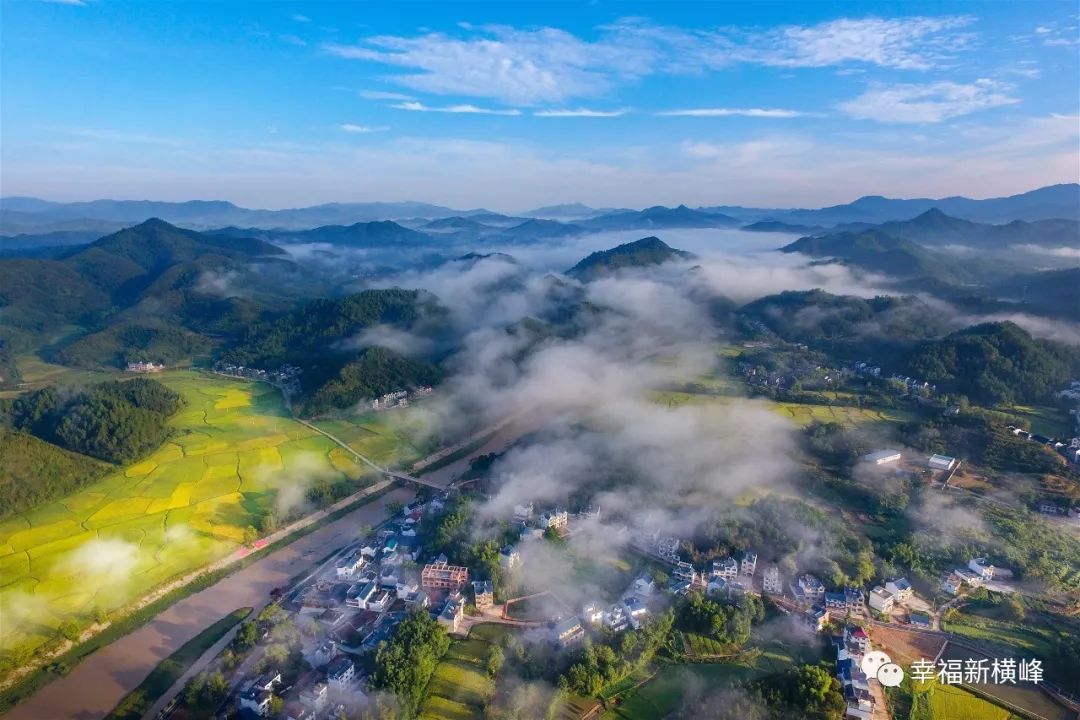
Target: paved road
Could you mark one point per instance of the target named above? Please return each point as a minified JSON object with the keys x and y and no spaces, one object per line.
{"x":98,"y":683}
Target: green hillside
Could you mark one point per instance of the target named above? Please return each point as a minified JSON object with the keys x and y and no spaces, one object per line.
{"x":640,"y":253}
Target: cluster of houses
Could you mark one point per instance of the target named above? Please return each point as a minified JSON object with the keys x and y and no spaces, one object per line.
{"x":851,"y":645}
{"x":145,"y":367}
{"x":399,"y":398}
{"x":630,"y":611}
{"x":1070,"y":449}
{"x":978,"y":572}
{"x":317,"y":694}
{"x":287,"y":377}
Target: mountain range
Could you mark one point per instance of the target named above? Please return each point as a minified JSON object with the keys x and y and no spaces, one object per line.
{"x":33,"y":216}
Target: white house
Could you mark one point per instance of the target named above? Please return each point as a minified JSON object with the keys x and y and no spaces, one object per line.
{"x":881,"y":600}
{"x":509,"y":558}
{"x":725,"y":569}
{"x":883,"y":457}
{"x":315,"y":697}
{"x":569,"y":631}
{"x":350,"y":566}
{"x":952,"y":583}
{"x":555,"y":519}
{"x":941,"y":462}
{"x":716,"y":586}
{"x":644,"y":585}
{"x":808,"y":589}
{"x":369,"y":551}
{"x":340,"y":673}
{"x":773,"y":583}
{"x":900,"y":589}
{"x":592,"y":613}
{"x":982,"y":567}
{"x":684,"y":571}
{"x":749,"y":563}
{"x":256,"y":700}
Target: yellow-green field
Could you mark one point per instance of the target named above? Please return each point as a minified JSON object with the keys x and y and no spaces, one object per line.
{"x":385,"y":437}
{"x":801,"y":413}
{"x":233,"y":448}
{"x":35,"y":373}
{"x":804,"y":414}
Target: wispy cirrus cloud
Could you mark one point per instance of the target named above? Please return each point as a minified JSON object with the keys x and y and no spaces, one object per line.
{"x":734,"y":112}
{"x":579,"y":113}
{"x":456,"y":109}
{"x":550,"y":65}
{"x":361,"y":129}
{"x":927,"y":103}
{"x":383,"y":95}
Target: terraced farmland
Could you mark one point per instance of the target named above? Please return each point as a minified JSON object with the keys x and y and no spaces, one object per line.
{"x":233,"y":451}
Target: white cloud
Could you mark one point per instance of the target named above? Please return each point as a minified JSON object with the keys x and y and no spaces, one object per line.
{"x":301,"y":18}
{"x":382,"y":95}
{"x":528,"y":67}
{"x":466,"y":109}
{"x":911,"y":43}
{"x":734,"y":112}
{"x":351,"y":128}
{"x":81,"y":3}
{"x":579,"y":112}
{"x":929,"y":103}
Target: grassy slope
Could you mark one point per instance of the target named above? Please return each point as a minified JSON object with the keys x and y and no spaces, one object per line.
{"x":183,"y":506}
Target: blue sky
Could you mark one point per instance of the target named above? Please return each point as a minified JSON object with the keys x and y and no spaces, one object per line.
{"x":512,"y":105}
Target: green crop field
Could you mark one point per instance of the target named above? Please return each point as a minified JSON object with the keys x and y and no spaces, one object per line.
{"x":661,"y":696}
{"x":385,"y":437}
{"x":460,"y":686}
{"x":188,"y":503}
{"x":804,"y":414}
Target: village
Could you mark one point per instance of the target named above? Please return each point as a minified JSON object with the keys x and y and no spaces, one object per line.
{"x":354,"y":600}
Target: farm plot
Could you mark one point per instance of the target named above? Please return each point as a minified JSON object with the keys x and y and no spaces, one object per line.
{"x":386,"y":437}
{"x":804,"y":414}
{"x":233,"y":449}
{"x":460,"y":687}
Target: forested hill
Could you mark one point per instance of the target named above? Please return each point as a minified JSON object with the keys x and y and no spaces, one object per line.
{"x":640,"y":253}
{"x":996,"y":363}
{"x":872,"y":250}
{"x":815,"y":315}
{"x":324,"y":338}
{"x":135,"y":294}
{"x":50,"y":438}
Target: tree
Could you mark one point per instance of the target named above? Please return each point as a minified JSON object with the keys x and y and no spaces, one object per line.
{"x":246,"y":636}
{"x":394,"y":508}
{"x":250,"y":535}
{"x":495,"y":659}
{"x":405,"y":663}
{"x":70,"y":629}
{"x":268,"y":522}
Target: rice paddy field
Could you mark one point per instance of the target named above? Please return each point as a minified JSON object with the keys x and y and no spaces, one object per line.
{"x":233,"y":451}
{"x":460,"y":686}
{"x":388,"y":437}
{"x":804,"y":414}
